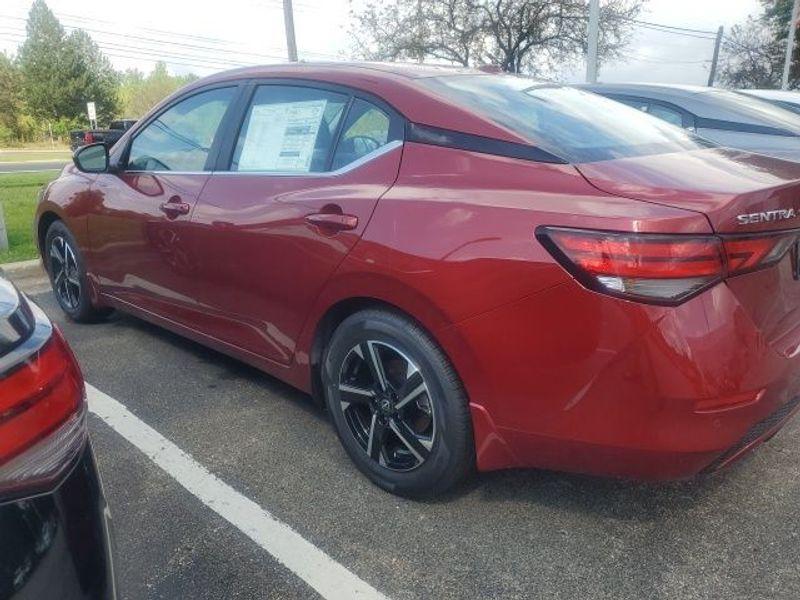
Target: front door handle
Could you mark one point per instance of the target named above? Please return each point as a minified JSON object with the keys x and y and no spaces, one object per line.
{"x":175,"y":207}
{"x":333,"y":221}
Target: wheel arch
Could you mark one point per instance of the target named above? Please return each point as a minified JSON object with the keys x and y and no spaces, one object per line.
{"x":46,"y":219}
{"x":351,"y":291}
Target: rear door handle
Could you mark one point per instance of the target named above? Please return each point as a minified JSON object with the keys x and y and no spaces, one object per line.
{"x":175,"y":207}
{"x":333,"y":221}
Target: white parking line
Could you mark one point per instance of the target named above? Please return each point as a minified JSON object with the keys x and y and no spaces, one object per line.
{"x":300,"y":556}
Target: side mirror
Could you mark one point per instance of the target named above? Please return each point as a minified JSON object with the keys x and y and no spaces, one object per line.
{"x":92,"y":158}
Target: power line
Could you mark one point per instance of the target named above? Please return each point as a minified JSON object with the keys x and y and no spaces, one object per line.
{"x":673,"y":32}
{"x":231,"y":51}
{"x":671,"y":27}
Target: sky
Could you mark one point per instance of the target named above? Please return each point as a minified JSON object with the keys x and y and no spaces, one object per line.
{"x":203,"y":37}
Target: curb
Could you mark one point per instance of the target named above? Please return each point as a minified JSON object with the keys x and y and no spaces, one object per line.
{"x":25,"y":268}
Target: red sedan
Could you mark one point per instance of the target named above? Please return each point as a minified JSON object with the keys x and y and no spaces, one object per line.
{"x":472,"y":270}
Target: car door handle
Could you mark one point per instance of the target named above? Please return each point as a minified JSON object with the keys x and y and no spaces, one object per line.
{"x":333,"y":221}
{"x":175,"y":207}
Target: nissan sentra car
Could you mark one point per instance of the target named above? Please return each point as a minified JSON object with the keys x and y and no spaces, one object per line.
{"x":471,"y":270}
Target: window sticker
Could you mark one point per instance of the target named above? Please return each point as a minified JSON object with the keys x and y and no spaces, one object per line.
{"x":282,"y":137}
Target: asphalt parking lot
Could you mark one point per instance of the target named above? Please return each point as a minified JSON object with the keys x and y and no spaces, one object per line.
{"x":520,"y":534}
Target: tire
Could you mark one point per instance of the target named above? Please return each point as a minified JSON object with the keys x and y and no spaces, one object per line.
{"x":402,"y":416}
{"x":70,"y":284}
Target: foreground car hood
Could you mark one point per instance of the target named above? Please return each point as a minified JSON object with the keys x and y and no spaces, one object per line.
{"x":721,"y":183}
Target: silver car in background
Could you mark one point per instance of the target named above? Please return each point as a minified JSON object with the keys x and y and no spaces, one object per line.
{"x":783,"y":98}
{"x":724,"y":117}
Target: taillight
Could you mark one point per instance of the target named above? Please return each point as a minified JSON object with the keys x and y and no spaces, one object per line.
{"x":88,"y":137}
{"x":748,"y":253}
{"x":657,"y":268}
{"x":42,"y":418}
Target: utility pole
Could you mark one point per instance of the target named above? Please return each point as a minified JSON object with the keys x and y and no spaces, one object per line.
{"x":594,"y":34}
{"x":787,"y":65}
{"x":715,"y":60}
{"x":288,"y":22}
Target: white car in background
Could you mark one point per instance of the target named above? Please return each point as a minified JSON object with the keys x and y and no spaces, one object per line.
{"x":783,"y":98}
{"x":723,"y":117}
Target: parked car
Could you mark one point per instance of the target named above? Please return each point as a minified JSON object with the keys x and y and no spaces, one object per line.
{"x":782,"y":98}
{"x":724,"y":117}
{"x":81,"y":137}
{"x":55,"y":538}
{"x":468,"y":269}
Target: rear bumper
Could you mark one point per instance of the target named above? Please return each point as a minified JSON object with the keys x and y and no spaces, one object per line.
{"x":57,"y":545}
{"x":571,"y":380}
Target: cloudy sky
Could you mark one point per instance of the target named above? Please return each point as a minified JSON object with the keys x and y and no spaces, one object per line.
{"x":203,"y":37}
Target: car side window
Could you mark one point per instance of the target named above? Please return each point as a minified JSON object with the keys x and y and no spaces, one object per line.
{"x":288,"y":129}
{"x":665,"y":113}
{"x":180,"y":138}
{"x":367,"y":128}
{"x":632,"y":102}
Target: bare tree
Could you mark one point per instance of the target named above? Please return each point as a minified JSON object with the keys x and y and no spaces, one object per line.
{"x":417,"y":29}
{"x":517,"y":35}
{"x":752,"y":57}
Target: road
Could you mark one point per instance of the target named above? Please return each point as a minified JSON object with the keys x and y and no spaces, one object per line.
{"x":32,"y":166}
{"x":516,"y":534}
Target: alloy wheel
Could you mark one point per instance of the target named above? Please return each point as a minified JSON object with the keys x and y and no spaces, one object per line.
{"x":387,"y":405}
{"x":64,"y":270}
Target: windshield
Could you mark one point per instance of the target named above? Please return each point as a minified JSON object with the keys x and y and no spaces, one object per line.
{"x":753,"y":110}
{"x":575,"y":125}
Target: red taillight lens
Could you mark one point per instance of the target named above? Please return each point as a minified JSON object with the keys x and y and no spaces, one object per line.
{"x":88,"y":137}
{"x":656,"y":268}
{"x":42,"y":418}
{"x":749,"y":253}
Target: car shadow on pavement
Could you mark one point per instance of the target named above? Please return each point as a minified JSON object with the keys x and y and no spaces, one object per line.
{"x":228,"y":368}
{"x":619,"y":499}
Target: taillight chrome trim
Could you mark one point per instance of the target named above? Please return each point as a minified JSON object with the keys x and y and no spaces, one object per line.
{"x":42,"y":332}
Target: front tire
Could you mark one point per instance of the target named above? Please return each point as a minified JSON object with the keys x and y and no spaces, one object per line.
{"x":397,"y":404}
{"x":67,"y":273}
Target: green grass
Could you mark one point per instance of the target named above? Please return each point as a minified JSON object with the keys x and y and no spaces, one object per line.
{"x":31,"y":156}
{"x":18,"y":195}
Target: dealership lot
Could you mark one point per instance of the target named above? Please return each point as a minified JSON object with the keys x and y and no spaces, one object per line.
{"x":521,"y":534}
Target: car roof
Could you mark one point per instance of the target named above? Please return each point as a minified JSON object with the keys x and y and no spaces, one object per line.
{"x":708,"y":103}
{"x":401,"y":85}
{"x":782,"y":95}
{"x":672,"y":89}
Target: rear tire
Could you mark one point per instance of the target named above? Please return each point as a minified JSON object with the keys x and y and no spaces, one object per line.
{"x":397,"y":404}
{"x":67,"y":273}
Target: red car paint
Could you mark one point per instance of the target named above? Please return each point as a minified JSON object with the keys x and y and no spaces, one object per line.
{"x":558,"y":376}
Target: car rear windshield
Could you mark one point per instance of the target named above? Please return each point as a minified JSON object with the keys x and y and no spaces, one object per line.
{"x":572,"y":124}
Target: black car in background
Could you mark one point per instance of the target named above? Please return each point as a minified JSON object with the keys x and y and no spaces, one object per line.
{"x":109,"y":137}
{"x":54,"y":529}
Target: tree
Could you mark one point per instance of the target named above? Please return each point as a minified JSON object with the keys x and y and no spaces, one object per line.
{"x":61,"y":73}
{"x":755,"y":51}
{"x":529,"y":36}
{"x":40,"y":64}
{"x":91,"y":76}
{"x":139,"y":93}
{"x":751,"y":57}
{"x":14,"y":124}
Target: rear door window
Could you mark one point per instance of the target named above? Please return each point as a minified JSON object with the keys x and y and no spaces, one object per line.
{"x":367,"y":129}
{"x":288,"y":129}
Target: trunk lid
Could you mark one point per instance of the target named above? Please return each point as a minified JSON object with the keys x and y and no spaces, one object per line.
{"x":738,"y":192}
